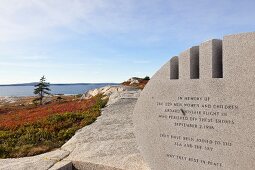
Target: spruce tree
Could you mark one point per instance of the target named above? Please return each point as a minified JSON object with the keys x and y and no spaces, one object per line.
{"x":41,"y":89}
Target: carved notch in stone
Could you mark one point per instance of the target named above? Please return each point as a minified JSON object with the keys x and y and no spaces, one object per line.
{"x":174,"y":68}
{"x":210,"y":53}
{"x":194,"y":62}
{"x":189,"y":63}
{"x":217,"y":65}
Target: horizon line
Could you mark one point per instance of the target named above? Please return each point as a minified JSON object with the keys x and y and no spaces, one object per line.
{"x":32,"y":83}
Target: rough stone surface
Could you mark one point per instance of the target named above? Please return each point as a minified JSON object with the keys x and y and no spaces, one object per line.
{"x":134,"y":82}
{"x":8,"y":99}
{"x":62,"y":165}
{"x":107,"y":90}
{"x":109,"y":143}
{"x":197,"y":123}
{"x":39,"y":162}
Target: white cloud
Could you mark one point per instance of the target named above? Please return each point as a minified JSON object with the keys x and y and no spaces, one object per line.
{"x":25,"y":19}
{"x":31,"y":19}
{"x":151,"y":20}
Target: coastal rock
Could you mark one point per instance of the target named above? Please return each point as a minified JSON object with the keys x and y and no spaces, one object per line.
{"x":107,"y":91}
{"x":134,"y":80}
{"x":8,"y":99}
{"x":129,"y":93}
{"x":108,"y":143}
{"x":40,"y":162}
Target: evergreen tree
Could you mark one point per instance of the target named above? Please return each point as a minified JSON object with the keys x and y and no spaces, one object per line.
{"x":146,"y":78}
{"x":41,"y":89}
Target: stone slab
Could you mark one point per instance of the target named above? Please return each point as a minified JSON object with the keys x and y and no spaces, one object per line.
{"x":204,"y":123}
{"x":109,"y":143}
{"x":39,"y":162}
{"x":63,"y":165}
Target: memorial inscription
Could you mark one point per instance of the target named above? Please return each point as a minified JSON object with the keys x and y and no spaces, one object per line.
{"x":198,"y":110}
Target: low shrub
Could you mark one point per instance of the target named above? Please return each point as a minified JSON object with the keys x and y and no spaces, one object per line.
{"x":45,"y":134}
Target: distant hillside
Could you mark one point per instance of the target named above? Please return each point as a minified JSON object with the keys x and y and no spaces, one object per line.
{"x":137,"y":82}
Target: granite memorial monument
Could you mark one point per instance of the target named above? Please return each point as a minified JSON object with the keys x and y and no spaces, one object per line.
{"x":198,"y":111}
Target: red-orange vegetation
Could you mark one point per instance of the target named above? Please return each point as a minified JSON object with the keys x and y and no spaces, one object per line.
{"x":13,"y":118}
{"x":139,"y":85}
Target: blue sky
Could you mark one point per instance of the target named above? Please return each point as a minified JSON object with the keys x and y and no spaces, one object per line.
{"x":72,"y":41}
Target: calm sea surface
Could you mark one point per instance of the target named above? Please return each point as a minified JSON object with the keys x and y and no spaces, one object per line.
{"x":55,"y":89}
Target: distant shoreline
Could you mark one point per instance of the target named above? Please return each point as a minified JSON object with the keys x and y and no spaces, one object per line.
{"x":57,"y":84}
{"x":6,"y":97}
{"x":23,"y":90}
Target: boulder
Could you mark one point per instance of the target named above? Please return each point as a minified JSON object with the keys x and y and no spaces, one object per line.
{"x":134,"y":82}
{"x":107,"y":91}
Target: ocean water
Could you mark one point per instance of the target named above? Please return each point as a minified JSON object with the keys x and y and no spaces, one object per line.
{"x":55,"y":89}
